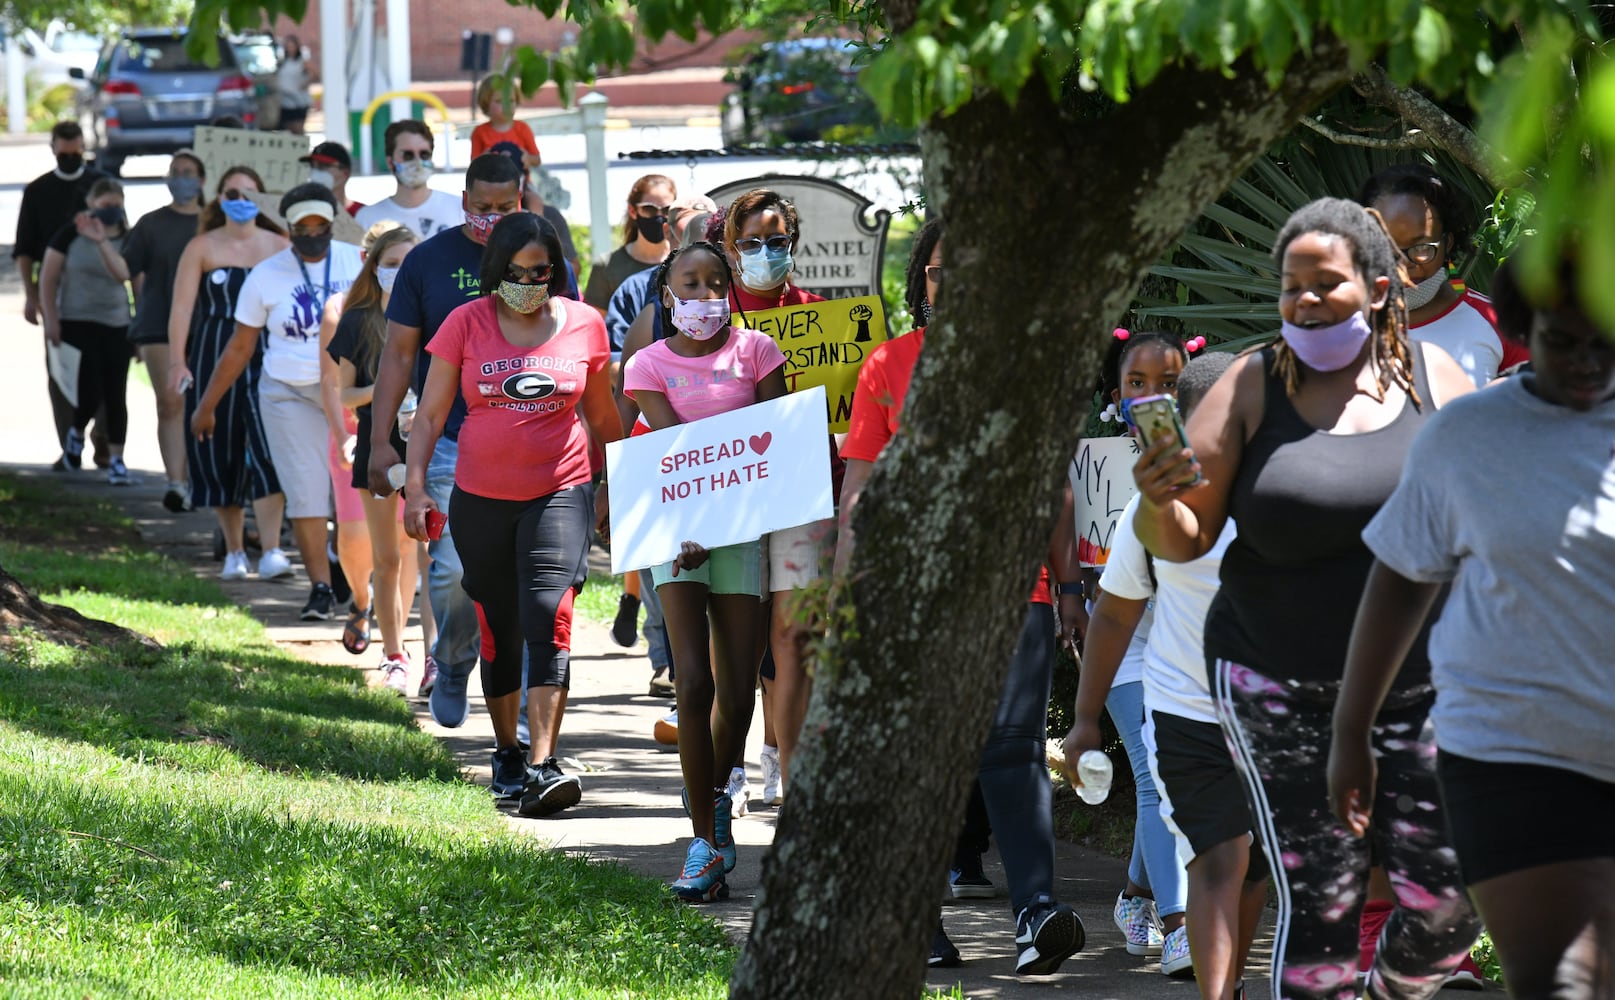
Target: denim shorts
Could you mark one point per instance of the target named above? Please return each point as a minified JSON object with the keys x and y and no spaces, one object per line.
{"x":730,"y":569}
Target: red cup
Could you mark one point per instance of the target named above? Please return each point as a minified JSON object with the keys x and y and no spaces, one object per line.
{"x":435,"y":520}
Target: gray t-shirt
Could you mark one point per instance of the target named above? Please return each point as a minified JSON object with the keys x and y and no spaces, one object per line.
{"x":153,"y":249}
{"x":1512,"y":499}
{"x":88,"y":292}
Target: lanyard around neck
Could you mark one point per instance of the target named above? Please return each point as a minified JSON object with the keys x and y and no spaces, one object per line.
{"x":324,"y":293}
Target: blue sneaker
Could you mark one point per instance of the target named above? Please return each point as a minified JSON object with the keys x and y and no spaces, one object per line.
{"x":702,"y":880}
{"x":722,"y":835}
{"x":448,"y":700}
{"x":509,"y":772}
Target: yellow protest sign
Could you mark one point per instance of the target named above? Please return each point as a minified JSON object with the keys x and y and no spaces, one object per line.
{"x":825,"y":343}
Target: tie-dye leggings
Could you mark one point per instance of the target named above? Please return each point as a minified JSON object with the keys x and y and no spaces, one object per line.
{"x":1279,"y":733}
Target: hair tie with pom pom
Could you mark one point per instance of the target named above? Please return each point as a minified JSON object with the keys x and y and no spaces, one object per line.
{"x":1109,"y":414}
{"x":1120,"y":333}
{"x":1195,"y":344}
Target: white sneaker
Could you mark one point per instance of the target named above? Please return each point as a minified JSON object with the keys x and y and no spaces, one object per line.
{"x":770,"y":759}
{"x":1137,"y":920}
{"x":1175,"y":958}
{"x":274,"y":564}
{"x":395,"y":674}
{"x":235,"y":566}
{"x":739,"y":792}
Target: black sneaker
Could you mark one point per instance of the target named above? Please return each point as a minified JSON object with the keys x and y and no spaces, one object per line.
{"x":177,"y":500}
{"x":339,"y":579}
{"x":321,"y":604}
{"x":625,"y":627}
{"x":1046,"y":934}
{"x":510,"y":772}
{"x":943,"y":954}
{"x":966,"y":880}
{"x":549,"y":790}
{"x":73,"y":448}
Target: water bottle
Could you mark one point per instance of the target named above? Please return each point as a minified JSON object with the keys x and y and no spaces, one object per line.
{"x":1094,"y":772}
{"x":395,"y":476}
{"x":406,"y":413}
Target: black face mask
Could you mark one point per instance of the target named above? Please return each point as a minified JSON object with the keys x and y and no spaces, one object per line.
{"x":69,"y":163}
{"x":653,"y":230}
{"x":312,"y":247}
{"x":108,"y":216}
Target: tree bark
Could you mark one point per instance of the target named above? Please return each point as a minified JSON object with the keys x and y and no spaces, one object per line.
{"x":1052,"y":223}
{"x":22,"y":610}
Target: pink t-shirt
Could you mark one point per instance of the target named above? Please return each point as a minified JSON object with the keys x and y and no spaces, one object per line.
{"x":714,"y":383}
{"x":522,"y":438}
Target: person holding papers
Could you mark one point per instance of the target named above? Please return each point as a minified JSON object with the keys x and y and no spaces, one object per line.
{"x":710,"y":368}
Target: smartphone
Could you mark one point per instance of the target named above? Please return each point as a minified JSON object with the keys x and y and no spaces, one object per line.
{"x":435,"y":520}
{"x":1156,"y":418}
{"x":185,"y":384}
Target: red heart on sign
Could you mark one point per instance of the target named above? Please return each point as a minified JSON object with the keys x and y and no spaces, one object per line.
{"x":760,"y":442}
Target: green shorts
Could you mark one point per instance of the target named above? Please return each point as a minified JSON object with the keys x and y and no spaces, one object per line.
{"x":731,"y":569}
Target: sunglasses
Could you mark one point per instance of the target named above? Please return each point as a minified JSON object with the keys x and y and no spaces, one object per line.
{"x":650,"y":210}
{"x":237,"y":194}
{"x":538,"y":274}
{"x":775,"y":244}
{"x":933,"y":272}
{"x":1422,"y":253}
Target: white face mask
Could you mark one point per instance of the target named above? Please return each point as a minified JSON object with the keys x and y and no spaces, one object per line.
{"x":324,"y":177}
{"x":1425,"y":292}
{"x":385,"y":276}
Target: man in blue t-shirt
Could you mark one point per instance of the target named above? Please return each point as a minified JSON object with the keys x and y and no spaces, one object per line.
{"x":437,"y":277}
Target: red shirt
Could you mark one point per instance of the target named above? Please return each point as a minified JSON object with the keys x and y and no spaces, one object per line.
{"x":522,"y":438}
{"x":877,"y":408}
{"x":485,"y":137}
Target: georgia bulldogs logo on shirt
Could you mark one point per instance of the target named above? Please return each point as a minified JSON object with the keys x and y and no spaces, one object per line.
{"x":526,"y":386}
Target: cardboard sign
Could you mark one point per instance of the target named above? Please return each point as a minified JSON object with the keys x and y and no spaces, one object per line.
{"x":825,"y":343}
{"x":276,"y":156}
{"x":841,"y":251}
{"x":343,"y":228}
{"x":1102,"y":483}
{"x":730,"y":478}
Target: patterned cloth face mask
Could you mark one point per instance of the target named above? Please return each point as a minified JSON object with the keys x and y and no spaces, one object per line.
{"x":525,"y":299}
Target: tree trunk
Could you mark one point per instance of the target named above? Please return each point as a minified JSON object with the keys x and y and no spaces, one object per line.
{"x":20,"y":610}
{"x":1052,"y":222}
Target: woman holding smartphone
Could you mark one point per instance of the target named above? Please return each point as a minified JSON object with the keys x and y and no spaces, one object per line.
{"x":1301,"y":444}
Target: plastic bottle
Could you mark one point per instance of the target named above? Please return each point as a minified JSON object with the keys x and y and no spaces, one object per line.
{"x":1094,"y":772}
{"x":406,"y":413}
{"x":395,"y":476}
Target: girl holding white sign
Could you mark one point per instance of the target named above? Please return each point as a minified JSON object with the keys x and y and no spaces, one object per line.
{"x":710,"y":368}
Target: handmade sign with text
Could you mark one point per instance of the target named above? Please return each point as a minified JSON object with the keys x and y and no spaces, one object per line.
{"x":1102,"y":483}
{"x":729,"y":478}
{"x":825,"y":343}
{"x":277,"y":156}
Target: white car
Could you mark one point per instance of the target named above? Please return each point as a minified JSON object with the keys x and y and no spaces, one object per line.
{"x":50,"y":56}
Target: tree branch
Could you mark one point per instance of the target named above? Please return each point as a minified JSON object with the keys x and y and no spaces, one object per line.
{"x":1407,"y":140}
{"x":1438,"y":128}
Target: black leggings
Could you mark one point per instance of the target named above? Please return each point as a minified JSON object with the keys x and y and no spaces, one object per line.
{"x":103,"y":375}
{"x":1280,"y":732}
{"x":524,"y":561}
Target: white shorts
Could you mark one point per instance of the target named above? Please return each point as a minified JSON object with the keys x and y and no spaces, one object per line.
{"x":798,"y":556}
{"x":299,"y":442}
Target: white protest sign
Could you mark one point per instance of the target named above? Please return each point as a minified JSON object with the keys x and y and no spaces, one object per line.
{"x":726,"y":479}
{"x":1102,"y":483}
{"x":276,"y":156}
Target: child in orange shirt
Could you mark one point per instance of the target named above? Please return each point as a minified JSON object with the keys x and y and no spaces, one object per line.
{"x":501,"y":126}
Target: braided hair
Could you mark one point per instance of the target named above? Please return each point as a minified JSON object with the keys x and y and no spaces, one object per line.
{"x":1375,"y":255}
{"x":919,"y":257}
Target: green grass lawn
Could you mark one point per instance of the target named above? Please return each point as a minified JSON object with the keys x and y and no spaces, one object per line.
{"x":219,"y":819}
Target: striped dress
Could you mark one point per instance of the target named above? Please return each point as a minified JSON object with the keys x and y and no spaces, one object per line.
{"x":233,"y":466}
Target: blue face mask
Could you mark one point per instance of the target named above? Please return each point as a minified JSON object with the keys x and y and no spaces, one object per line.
{"x":765,"y":269}
{"x":239,"y":211}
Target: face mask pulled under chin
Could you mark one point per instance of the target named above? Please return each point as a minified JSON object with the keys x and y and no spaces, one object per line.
{"x":1328,"y":348}
{"x":1425,"y":292}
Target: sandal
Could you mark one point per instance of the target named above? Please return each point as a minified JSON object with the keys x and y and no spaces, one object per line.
{"x":356,"y":631}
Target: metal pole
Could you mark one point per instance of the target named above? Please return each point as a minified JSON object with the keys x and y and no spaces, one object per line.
{"x":592,"y":107}
{"x":16,"y":86}
{"x":334,"y":69}
{"x":399,"y":71}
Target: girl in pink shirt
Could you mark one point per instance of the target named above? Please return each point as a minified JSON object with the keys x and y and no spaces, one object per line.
{"x":709,"y":367}
{"x":534,"y":370}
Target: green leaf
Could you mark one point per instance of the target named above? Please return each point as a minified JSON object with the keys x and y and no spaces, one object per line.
{"x":1432,"y":38}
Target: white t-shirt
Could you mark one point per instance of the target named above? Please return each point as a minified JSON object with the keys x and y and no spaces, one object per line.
{"x":1175,"y":660}
{"x":1512,"y":499}
{"x":438,"y":212}
{"x":286,"y":300}
{"x":1468,"y":332}
{"x":1131,"y":670}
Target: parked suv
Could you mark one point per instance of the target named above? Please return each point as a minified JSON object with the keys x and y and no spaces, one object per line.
{"x":146,"y":95}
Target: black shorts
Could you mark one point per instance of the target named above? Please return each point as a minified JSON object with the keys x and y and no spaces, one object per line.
{"x":1505,"y":818}
{"x":1201,"y":794}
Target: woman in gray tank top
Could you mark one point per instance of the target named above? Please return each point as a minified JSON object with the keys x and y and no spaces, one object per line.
{"x":1301,"y":443}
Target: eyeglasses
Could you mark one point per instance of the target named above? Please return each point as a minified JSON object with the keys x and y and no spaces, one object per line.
{"x":650,"y":210}
{"x":1422,"y":253}
{"x":319,"y":229}
{"x":933,"y":272}
{"x":775,"y":244}
{"x":538,"y":274}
